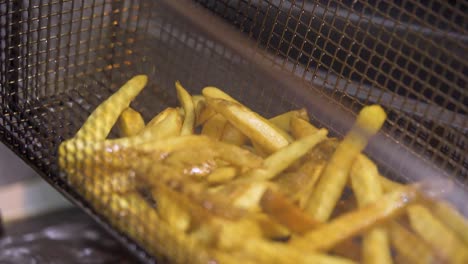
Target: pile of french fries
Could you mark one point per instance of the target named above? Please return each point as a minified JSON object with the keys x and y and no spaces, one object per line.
{"x":212,"y":181}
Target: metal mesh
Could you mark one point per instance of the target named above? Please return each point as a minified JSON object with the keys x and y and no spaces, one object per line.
{"x":407,"y":56}
{"x":60,"y":59}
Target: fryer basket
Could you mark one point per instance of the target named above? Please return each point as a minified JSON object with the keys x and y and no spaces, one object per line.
{"x":60,"y":59}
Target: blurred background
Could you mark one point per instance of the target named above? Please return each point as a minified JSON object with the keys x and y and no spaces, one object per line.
{"x":38,"y":225}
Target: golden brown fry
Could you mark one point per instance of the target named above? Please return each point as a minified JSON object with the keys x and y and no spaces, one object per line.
{"x":176,"y":143}
{"x":452,"y":218}
{"x":283,"y":158}
{"x":199,"y":106}
{"x":170,"y":210}
{"x":130,"y":123}
{"x":349,"y":249}
{"x":151,"y":230}
{"x":205,"y":113}
{"x":250,"y":123}
{"x":365,"y":181}
{"x":262,"y":251}
{"x":222,"y":175}
{"x":299,"y":184}
{"x":279,"y":208}
{"x":376,"y":246}
{"x":214,"y":127}
{"x":345,"y":226}
{"x":227,"y":152}
{"x":78,"y":156}
{"x":436,"y":234}
{"x":168,"y":125}
{"x":194,"y":191}
{"x":215,"y":93}
{"x":237,"y":156}
{"x":195,"y":163}
{"x":389,"y":185}
{"x":249,"y":195}
{"x":232,"y":135}
{"x":112,"y":154}
{"x":335,"y":174}
{"x":283,"y":121}
{"x":223,"y":223}
{"x":271,"y":229}
{"x":102,"y":119}
{"x":409,"y":246}
{"x":189,"y":111}
{"x":104,"y":182}
{"x":301,"y":128}
{"x":233,"y":234}
{"x":259,"y":150}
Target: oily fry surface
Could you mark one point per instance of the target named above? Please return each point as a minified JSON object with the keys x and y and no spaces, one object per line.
{"x":212,"y":181}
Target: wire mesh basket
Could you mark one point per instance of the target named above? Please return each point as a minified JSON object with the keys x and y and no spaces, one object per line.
{"x":60,"y":59}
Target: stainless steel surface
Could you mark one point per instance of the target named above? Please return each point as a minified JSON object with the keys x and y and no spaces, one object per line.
{"x":12,"y":168}
{"x":59,"y":237}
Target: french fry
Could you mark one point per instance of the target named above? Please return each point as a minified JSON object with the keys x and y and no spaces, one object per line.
{"x":191,"y":191}
{"x":214,"y":127}
{"x":262,"y":251}
{"x":327,"y":235}
{"x":259,"y":150}
{"x":176,"y":143}
{"x":452,"y":218}
{"x":271,"y":229}
{"x":298,"y":185}
{"x":199,"y":106}
{"x":151,"y":230}
{"x":189,"y":110}
{"x":237,"y":156}
{"x":412,"y":248}
{"x":205,"y":113}
{"x":375,"y":246}
{"x":348,"y":249}
{"x":365,"y":181}
{"x":233,"y":135}
{"x":283,"y":121}
{"x":233,"y":234}
{"x":279,"y":208}
{"x":436,"y":234}
{"x":283,"y":158}
{"x":104,"y":182}
{"x":301,"y":128}
{"x":247,"y":191}
{"x":233,"y":154}
{"x":130,"y":123}
{"x":112,"y":154}
{"x":166,"y":125}
{"x":249,"y":196}
{"x":83,"y":157}
{"x":194,"y":163}
{"x":102,"y":119}
{"x":250,"y":123}
{"x":215,"y":93}
{"x":163,"y":115}
{"x":222,"y":175}
{"x":335,"y":174}
{"x":389,"y":185}
{"x":173,"y":212}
